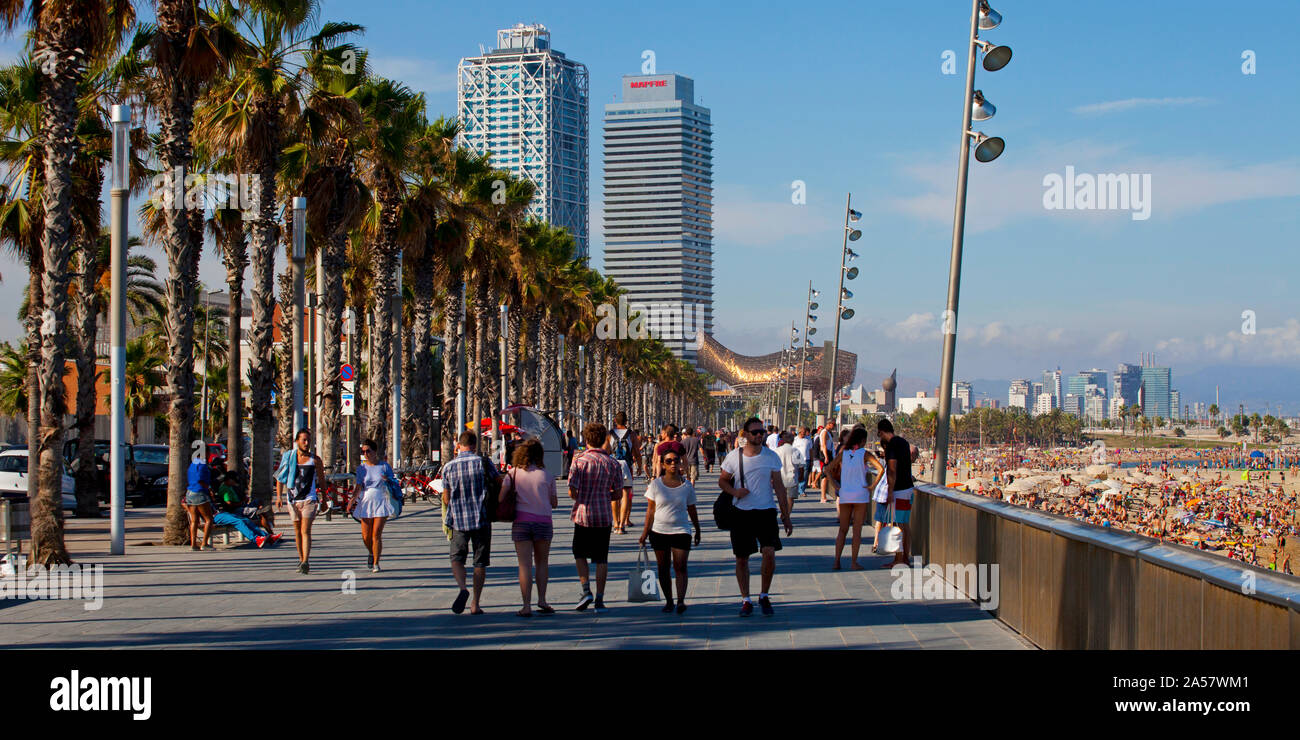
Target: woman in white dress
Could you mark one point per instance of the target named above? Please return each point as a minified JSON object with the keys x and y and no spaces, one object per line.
{"x":375,"y":504}
{"x":849,"y":472}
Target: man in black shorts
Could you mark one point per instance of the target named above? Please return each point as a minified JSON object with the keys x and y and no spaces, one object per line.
{"x":754,"y":527}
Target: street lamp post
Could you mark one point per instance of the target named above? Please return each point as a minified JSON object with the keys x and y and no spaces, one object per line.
{"x":503,"y":334}
{"x":850,"y":234}
{"x":299,"y":257}
{"x":808,"y":331}
{"x":785,"y":379}
{"x":582,"y":388}
{"x":397,"y":360}
{"x":119,"y":196}
{"x":312,"y":365}
{"x":974,"y":106}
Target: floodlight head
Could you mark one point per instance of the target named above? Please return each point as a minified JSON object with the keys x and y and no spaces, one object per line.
{"x":852,"y":255}
{"x":813,"y":306}
{"x":988,"y":148}
{"x":811,"y":331}
{"x":852,"y":273}
{"x":848,"y":314}
{"x":854,"y":215}
{"x":981,"y":109}
{"x":989,"y":18}
{"x":813,"y":318}
{"x":995,"y":57}
{"x":845,"y":293}
{"x":854,"y":235}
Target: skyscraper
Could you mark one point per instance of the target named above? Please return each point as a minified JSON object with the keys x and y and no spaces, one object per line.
{"x":1052,"y":382}
{"x":1018,"y":395}
{"x":1156,"y":400}
{"x":659,"y":206}
{"x":1126,"y":381}
{"x":526,"y":105}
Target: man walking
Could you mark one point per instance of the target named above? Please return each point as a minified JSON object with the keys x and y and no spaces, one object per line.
{"x":791,"y":461}
{"x":803,"y":443}
{"x":756,"y":496}
{"x":621,"y":443}
{"x":595,"y":480}
{"x":826,"y":443}
{"x":709,"y":443}
{"x":465,"y":482}
{"x":898,"y":468}
{"x":691,"y":444}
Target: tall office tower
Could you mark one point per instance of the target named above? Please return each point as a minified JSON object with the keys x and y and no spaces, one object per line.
{"x":961,"y":392}
{"x":1156,"y":399}
{"x":659,"y":206}
{"x":1127,"y":378}
{"x":1018,"y":395}
{"x":526,"y":105}
{"x":1175,"y":404}
{"x":1052,"y":381}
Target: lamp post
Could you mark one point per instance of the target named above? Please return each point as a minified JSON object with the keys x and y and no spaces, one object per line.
{"x":207,"y":319}
{"x":462,"y":369}
{"x":119,"y":195}
{"x":582,"y":388}
{"x":397,"y":360}
{"x":299,"y":257}
{"x":841,"y":313}
{"x":808,"y":331}
{"x":559,"y":367}
{"x":311,"y":359}
{"x":502,"y":335}
{"x":785,"y":379}
{"x":974,"y":107}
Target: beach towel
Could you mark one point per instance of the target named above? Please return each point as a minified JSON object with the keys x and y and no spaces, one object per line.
{"x":287,"y":473}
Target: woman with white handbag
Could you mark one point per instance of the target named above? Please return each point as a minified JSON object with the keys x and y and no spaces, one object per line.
{"x":849,"y":473}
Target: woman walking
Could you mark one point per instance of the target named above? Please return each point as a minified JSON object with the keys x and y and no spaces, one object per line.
{"x":374,"y":502}
{"x":669,"y":516}
{"x":299,"y":476}
{"x":198,"y":503}
{"x":849,"y":473}
{"x":535,"y":498}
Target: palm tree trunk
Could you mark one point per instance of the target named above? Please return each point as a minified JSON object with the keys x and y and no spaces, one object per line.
{"x":234,"y":253}
{"x":514,"y":323}
{"x":421,"y":378}
{"x":87,"y":315}
{"x":333,"y":264}
{"x":261,"y":361}
{"x":531,"y":380}
{"x":452,"y":342}
{"x":284,"y":370}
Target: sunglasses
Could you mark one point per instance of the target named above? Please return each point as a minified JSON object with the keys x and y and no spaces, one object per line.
{"x":671,"y":460}
{"x":755,"y":431}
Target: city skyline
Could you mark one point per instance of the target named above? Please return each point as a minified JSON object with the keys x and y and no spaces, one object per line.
{"x":1117,"y":285}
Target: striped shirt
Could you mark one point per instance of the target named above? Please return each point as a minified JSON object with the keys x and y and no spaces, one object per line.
{"x":595,"y":480}
{"x":464,"y":479}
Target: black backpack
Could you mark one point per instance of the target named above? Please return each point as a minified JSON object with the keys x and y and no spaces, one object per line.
{"x":623,"y":448}
{"x":493,"y":485}
{"x":724,"y":508}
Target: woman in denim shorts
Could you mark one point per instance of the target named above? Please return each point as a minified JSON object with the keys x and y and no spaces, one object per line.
{"x":198,"y":502}
{"x":532,"y":530}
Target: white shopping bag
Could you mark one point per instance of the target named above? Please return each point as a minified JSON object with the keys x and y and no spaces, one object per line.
{"x":890,"y":540}
{"x":641,"y":582}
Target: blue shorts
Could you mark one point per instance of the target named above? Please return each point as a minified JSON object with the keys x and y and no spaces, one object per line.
{"x":900,"y":516}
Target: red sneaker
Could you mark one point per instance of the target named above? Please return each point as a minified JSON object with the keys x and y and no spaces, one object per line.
{"x":260,"y":540}
{"x":276,"y":538}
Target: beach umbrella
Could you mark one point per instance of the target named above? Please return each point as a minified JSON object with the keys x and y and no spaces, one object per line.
{"x":1099,"y":469}
{"x":1256,"y":453}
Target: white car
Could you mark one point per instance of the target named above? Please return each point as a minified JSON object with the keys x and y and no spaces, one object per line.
{"x":13,"y":478}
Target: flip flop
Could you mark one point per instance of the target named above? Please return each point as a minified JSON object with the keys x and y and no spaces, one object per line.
{"x":545,"y":609}
{"x":476,"y":612}
{"x":520,"y":613}
{"x":458,"y":605}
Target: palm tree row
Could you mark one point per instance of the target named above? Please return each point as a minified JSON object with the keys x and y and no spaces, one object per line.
{"x":406,"y":229}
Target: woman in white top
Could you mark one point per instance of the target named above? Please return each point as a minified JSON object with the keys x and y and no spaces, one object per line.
{"x":668,"y":518}
{"x":849,"y":472}
{"x":374,"y":504}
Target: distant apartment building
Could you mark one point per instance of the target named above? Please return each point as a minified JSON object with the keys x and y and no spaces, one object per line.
{"x":1019,"y":395}
{"x":961,"y":395}
{"x":1052,"y":383}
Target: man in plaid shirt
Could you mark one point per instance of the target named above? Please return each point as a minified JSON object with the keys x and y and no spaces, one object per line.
{"x":595,"y":480}
{"x":464,"y":491}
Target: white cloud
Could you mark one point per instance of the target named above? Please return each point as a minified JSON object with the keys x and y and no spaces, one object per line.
{"x":917,"y":327}
{"x":1270,"y":344}
{"x":1115,"y":106}
{"x":742,"y":217}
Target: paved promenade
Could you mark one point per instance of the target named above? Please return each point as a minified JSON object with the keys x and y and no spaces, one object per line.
{"x":242,"y":597}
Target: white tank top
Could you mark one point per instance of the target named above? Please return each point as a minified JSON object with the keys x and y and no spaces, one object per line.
{"x":853,"y":472}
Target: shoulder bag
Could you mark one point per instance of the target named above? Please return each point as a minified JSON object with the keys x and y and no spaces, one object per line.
{"x":724,"y":508}
{"x":508,"y":503}
{"x":891,"y":536}
{"x":493,"y":485}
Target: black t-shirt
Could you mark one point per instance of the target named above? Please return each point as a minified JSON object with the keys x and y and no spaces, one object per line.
{"x":691,"y":444}
{"x":901,"y":450}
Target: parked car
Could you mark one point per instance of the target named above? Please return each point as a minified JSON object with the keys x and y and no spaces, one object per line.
{"x":13,"y":479}
{"x":103,"y":466}
{"x":151,"y":464}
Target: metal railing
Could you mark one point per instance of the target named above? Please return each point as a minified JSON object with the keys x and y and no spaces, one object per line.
{"x":1065,"y":584}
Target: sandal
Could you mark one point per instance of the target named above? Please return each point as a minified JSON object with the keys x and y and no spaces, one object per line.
{"x":522,"y":613}
{"x":545,"y":609}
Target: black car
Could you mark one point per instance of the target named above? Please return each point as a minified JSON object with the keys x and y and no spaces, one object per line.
{"x":102,"y":465}
{"x":151,"y":463}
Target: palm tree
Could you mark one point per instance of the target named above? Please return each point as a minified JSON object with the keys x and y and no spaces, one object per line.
{"x":13,"y":379}
{"x":142,"y":377}
{"x":249,"y":117}
{"x":394,"y":121}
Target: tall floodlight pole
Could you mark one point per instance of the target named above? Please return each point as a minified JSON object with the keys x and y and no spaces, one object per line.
{"x":299,"y":257}
{"x":559,"y":368}
{"x":119,"y":195}
{"x":397,"y":360}
{"x":808,"y":317}
{"x":318,"y":345}
{"x":462,"y":369}
{"x":850,"y":234}
{"x":974,"y":107}
{"x":312,"y":365}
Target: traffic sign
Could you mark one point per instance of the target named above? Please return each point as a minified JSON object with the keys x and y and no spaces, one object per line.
{"x":349,"y":409}
{"x":347,"y":372}
{"x":349,"y":386}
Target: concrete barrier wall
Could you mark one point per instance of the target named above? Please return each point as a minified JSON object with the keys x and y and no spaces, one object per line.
{"x":1068,"y":585}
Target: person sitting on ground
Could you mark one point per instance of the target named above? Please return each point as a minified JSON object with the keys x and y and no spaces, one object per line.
{"x":230,"y":511}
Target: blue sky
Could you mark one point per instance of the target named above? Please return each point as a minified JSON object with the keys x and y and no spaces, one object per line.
{"x":850,"y":97}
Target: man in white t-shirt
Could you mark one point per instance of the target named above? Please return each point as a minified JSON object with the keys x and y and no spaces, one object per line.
{"x":756,"y":500}
{"x":803,"y":443}
{"x":773,"y":438}
{"x":791,"y":462}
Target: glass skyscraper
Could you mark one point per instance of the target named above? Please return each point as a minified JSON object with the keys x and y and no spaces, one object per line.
{"x":526,"y":105}
{"x":1156,"y":400}
{"x":659,"y":207}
